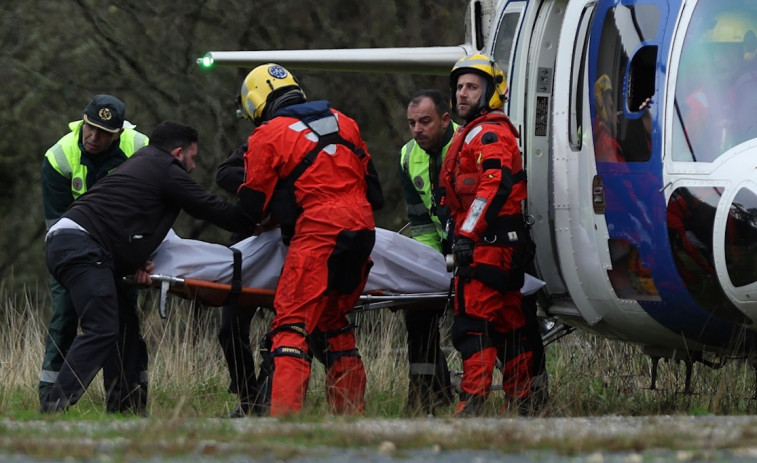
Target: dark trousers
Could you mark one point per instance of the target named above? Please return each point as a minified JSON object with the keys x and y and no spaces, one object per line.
{"x":61,"y":332}
{"x":429,"y":379}
{"x":234,"y":337}
{"x":534,"y":340}
{"x":110,"y":327}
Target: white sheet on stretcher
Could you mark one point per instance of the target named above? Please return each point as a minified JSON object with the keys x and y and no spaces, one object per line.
{"x":400,"y":264}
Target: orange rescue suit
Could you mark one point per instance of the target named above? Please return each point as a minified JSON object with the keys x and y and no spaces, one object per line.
{"x":328,"y":261}
{"x":484,"y":185}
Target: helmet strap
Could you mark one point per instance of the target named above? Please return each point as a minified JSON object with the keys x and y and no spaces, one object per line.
{"x":288,"y":98}
{"x":486,"y":95}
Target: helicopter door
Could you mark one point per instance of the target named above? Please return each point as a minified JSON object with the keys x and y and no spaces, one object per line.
{"x":622,"y":77}
{"x":534,"y":111}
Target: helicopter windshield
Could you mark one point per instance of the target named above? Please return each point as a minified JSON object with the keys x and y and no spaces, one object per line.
{"x":716,"y":91}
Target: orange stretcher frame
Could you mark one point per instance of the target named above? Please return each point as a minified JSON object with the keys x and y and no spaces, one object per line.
{"x":214,"y":294}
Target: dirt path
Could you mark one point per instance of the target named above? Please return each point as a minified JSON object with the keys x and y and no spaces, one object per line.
{"x":601,"y":439}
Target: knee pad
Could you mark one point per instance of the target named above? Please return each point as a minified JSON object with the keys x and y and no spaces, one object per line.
{"x":289,"y":351}
{"x":340,"y":343}
{"x":471,"y":335}
{"x":332,"y":357}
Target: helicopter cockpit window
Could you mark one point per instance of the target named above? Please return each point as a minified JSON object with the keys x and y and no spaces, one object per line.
{"x":503,"y":44}
{"x":741,"y":239}
{"x":691,"y":212}
{"x":621,"y":130}
{"x":716,"y":89}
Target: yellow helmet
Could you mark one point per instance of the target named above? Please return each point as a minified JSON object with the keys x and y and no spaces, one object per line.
{"x":602,"y":86}
{"x":266,"y":88}
{"x":731,"y":27}
{"x":495,"y":93}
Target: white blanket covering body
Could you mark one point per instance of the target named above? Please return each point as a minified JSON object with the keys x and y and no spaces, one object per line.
{"x":400,"y":264}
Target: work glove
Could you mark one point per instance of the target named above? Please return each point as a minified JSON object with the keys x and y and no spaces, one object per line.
{"x":463,"y":251}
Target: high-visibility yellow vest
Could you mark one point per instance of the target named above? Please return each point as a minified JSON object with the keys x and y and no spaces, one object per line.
{"x":65,"y":156}
{"x":415,"y":164}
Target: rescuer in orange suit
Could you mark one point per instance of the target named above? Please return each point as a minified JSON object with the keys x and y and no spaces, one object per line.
{"x":307,"y":165}
{"x":484,"y":185}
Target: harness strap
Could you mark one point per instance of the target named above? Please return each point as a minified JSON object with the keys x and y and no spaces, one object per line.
{"x":287,"y":351}
{"x":284,"y":208}
{"x":331,"y":356}
{"x":298,"y":328}
{"x":494,"y":277}
{"x":325,"y":139}
{"x":521,"y":176}
{"x":345,"y":329}
{"x":335,"y":355}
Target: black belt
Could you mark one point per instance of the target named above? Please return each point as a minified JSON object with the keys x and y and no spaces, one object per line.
{"x":508,"y":229}
{"x":519,"y":236}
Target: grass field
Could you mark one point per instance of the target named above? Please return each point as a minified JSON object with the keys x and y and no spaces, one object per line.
{"x":589,"y":376}
{"x":592,"y":378}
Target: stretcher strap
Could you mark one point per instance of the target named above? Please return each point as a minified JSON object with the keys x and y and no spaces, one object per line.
{"x":236,"y":278}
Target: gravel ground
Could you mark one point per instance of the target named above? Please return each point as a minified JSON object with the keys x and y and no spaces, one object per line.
{"x":509,"y":440}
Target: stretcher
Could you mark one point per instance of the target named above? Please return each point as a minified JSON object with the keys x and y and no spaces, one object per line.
{"x":406,"y":274}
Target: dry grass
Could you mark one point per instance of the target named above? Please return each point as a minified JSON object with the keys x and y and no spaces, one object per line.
{"x":589,"y":376}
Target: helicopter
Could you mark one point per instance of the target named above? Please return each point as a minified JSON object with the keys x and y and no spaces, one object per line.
{"x":641,"y":154}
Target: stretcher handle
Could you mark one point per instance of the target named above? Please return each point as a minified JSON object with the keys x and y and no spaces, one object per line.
{"x":165,"y":284}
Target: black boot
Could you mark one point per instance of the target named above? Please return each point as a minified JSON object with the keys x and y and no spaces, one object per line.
{"x":54,"y":402}
{"x":262,"y":402}
{"x":444,"y":391}
{"x":539,"y":393}
{"x":242,"y":410}
{"x":420,"y":396}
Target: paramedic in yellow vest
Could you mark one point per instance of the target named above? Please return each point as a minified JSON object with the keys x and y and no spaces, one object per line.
{"x":420,"y":160}
{"x":91,"y":149}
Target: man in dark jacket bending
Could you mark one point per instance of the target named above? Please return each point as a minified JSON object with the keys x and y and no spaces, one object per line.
{"x":110,"y":232}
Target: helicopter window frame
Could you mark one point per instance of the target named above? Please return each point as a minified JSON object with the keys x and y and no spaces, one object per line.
{"x":623,"y":63}
{"x":677,"y":154}
{"x":576,"y":96}
{"x":515,"y":10}
{"x":641,"y":73}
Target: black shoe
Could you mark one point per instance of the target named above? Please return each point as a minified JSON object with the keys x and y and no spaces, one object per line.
{"x":528,"y":406}
{"x":537,"y":402}
{"x":54,"y":406}
{"x":240,"y":411}
{"x":43,"y":389}
{"x":416,"y":407}
{"x":130,"y":409}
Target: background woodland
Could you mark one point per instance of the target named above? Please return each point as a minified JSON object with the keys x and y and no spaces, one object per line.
{"x":56,"y":54}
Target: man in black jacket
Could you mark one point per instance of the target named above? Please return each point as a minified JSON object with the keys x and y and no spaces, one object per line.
{"x":234,"y":333}
{"x":110,"y":232}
